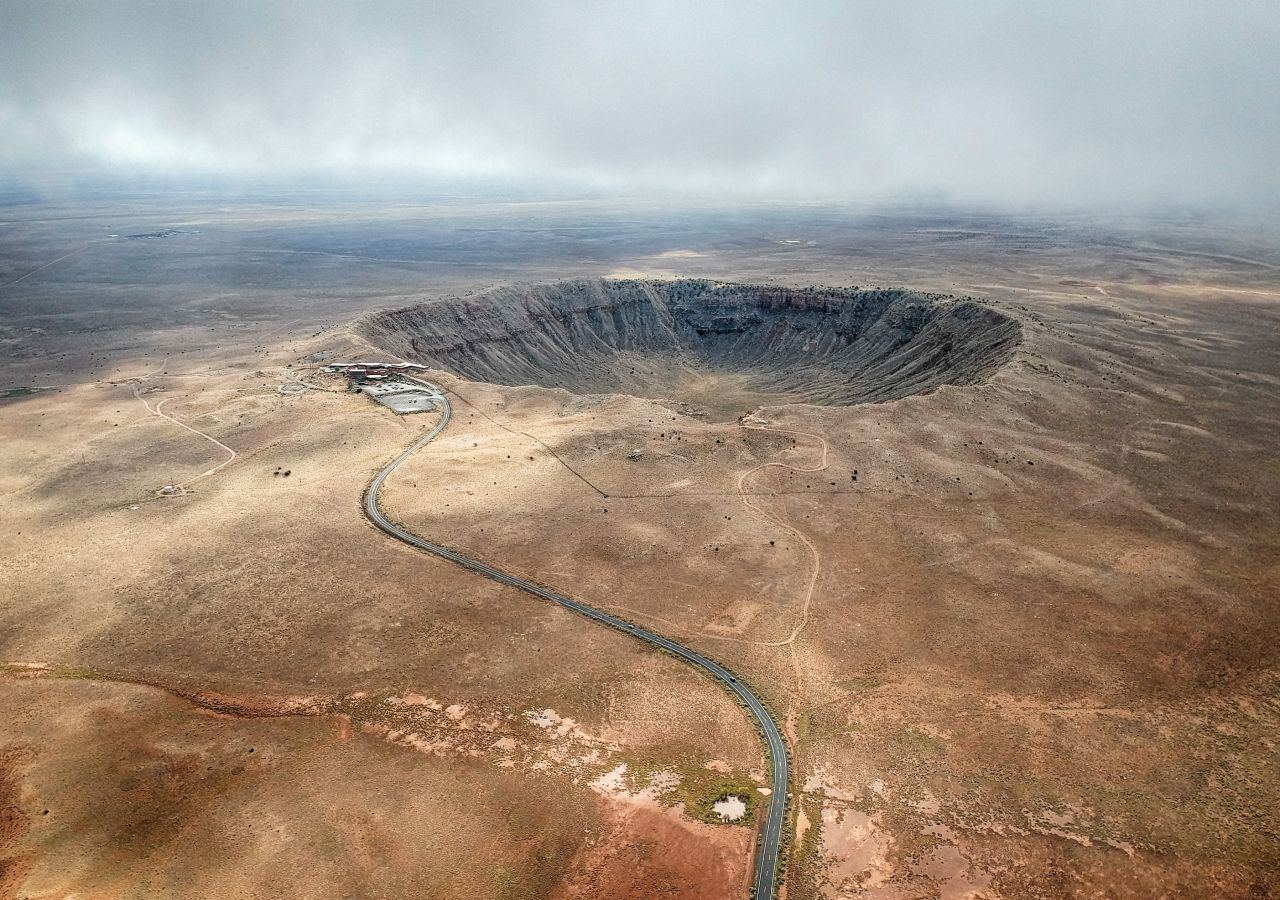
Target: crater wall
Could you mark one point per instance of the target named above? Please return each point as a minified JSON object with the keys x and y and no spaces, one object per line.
{"x":687,"y":339}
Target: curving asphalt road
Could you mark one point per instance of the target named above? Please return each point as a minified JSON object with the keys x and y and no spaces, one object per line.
{"x":771,"y":841}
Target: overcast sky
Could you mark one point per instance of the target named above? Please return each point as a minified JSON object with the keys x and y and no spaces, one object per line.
{"x":969,"y":100}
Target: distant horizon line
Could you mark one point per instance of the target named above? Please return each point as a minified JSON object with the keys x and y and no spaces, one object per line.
{"x":70,"y":182}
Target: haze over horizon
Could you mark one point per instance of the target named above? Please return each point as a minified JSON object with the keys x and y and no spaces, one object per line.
{"x":994,"y":102}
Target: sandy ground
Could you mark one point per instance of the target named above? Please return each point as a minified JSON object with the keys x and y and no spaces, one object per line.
{"x":1058,"y":642}
{"x":1038,"y":658}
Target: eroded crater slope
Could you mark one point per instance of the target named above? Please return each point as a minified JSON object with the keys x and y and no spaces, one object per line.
{"x":725,"y":347}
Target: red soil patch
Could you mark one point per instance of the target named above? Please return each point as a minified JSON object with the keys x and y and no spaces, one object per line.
{"x":13,"y":825}
{"x":648,"y":850}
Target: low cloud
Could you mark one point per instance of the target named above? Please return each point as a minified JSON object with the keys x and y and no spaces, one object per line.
{"x":980,"y":101}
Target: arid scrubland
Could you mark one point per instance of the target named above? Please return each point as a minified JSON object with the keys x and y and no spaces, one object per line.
{"x":1021,"y":626}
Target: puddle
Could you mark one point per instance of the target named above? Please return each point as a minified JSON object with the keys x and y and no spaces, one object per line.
{"x":730,"y":809}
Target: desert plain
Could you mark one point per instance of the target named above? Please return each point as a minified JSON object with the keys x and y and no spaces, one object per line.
{"x":1021,"y":625}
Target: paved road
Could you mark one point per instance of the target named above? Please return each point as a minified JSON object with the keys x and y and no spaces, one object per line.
{"x":775,"y":817}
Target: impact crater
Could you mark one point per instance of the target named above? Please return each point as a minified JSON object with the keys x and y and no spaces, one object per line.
{"x":717,"y":348}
